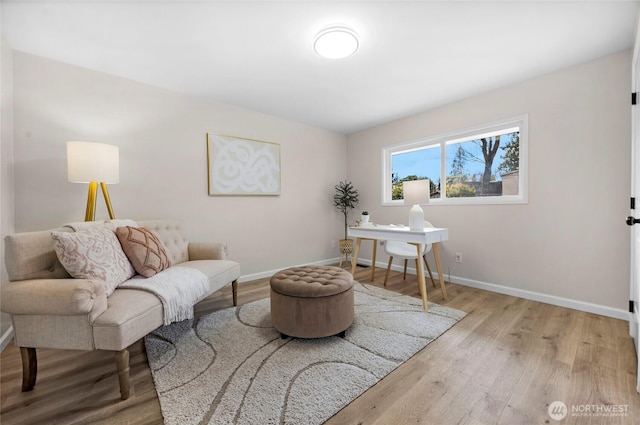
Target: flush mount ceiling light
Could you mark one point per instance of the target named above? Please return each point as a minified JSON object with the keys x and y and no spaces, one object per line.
{"x":336,"y":42}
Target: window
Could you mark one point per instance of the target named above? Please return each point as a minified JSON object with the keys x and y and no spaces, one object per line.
{"x":485,"y":164}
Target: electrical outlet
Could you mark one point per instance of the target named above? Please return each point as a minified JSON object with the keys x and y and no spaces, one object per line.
{"x":334,"y":244}
{"x":458,"y":257}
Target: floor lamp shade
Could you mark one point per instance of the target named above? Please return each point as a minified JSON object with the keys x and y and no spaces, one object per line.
{"x":92,"y":162}
{"x":416,"y":192}
{"x":89,"y":162}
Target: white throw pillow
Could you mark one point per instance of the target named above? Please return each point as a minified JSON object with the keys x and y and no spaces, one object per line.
{"x":94,"y":253}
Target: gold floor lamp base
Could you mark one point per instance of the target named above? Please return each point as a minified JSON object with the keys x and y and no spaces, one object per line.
{"x":90,"y":214}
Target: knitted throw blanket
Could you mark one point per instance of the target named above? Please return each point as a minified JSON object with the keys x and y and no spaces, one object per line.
{"x":178,"y":288}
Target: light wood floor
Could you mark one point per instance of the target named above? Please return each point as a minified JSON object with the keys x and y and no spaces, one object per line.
{"x":503,"y":363}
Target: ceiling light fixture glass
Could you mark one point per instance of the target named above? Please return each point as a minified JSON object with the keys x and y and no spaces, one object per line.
{"x":336,"y":42}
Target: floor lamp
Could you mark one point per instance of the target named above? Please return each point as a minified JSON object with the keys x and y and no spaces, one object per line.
{"x":416,"y":192}
{"x":89,"y":162}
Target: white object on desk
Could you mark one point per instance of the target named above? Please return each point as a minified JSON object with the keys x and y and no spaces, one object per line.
{"x":416,"y":192}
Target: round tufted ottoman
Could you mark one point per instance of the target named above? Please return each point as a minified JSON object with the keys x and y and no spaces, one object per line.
{"x":312,"y":301}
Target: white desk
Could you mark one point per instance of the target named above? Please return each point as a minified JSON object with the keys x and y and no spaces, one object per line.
{"x":429,"y":235}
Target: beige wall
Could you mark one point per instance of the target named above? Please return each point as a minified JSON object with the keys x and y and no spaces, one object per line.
{"x":163,"y":164}
{"x":569,"y":243}
{"x":6,"y":165}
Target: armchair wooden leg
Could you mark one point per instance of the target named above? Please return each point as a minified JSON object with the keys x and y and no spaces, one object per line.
{"x":404,"y":275}
{"x":29,"y":368}
{"x":122,"y":363}
{"x":234,"y":290}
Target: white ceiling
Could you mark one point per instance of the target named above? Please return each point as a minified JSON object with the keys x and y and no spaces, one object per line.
{"x":413,"y":55}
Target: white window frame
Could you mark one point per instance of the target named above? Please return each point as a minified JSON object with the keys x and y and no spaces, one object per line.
{"x":521,"y":121}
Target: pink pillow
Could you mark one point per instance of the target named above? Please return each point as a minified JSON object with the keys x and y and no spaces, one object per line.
{"x":93,"y":253}
{"x":143,"y":248}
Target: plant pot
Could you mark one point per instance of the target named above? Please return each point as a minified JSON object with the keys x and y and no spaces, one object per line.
{"x":364,"y":218}
{"x":346,"y":246}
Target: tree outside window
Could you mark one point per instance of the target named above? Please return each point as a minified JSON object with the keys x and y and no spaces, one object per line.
{"x":483,"y":163}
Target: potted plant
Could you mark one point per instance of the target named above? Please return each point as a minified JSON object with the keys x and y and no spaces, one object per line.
{"x":364,"y":217}
{"x":345,"y":199}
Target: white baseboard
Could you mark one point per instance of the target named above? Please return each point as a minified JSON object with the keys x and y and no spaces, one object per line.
{"x":270,"y":273}
{"x":587,"y":307}
{"x":6,"y":338}
{"x":602,"y":310}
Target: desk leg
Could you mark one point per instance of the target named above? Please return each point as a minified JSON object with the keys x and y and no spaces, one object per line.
{"x":373,"y":264}
{"x":436,"y":253}
{"x":421,"y":282}
{"x":354,"y":259}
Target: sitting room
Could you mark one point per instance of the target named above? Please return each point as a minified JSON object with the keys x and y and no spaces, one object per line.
{"x":301,"y":212}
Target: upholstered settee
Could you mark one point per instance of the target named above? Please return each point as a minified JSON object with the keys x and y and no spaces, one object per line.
{"x":51,"y":309}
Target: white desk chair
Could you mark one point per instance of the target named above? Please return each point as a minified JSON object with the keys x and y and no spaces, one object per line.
{"x":406,"y":252}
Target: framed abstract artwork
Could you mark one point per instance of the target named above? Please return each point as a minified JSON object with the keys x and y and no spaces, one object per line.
{"x":242,"y":166}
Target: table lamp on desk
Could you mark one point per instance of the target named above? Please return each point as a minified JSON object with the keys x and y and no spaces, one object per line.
{"x":416,"y":192}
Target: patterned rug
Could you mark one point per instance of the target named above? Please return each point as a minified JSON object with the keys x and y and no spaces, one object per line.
{"x":232,"y":367}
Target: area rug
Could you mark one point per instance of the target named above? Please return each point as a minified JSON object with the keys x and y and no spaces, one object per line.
{"x":232,"y":366}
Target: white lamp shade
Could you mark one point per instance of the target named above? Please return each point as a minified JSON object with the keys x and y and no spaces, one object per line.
{"x":416,"y":192}
{"x":92,"y":162}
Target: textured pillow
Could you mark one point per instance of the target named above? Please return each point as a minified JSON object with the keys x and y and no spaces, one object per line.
{"x":144,"y":250}
{"x":93,"y":253}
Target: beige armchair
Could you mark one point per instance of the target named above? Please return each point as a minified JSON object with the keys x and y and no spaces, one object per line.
{"x":50,"y":309}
